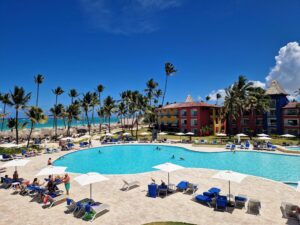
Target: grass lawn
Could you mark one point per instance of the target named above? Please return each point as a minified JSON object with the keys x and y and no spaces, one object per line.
{"x":168,"y":223}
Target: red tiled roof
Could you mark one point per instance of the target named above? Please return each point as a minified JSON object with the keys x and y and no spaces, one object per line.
{"x":189,"y":104}
{"x":291,"y":105}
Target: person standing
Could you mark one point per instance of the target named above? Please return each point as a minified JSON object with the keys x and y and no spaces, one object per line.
{"x":67,"y":183}
{"x":49,"y":162}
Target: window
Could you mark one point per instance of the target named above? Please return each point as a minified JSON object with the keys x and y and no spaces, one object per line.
{"x":194,"y":112}
{"x":193,"y":122}
{"x":183,"y":112}
{"x":273,"y":131}
{"x":292,"y":122}
{"x":272,"y":122}
{"x":259,"y":122}
{"x":273,"y":103}
{"x":292,"y":131}
{"x":195,"y":131}
{"x":272,"y":112}
{"x":175,"y":112}
{"x":245,"y":122}
{"x":291,"y":112}
{"x":246,"y":113}
{"x":183,"y":122}
{"x":245,"y":129}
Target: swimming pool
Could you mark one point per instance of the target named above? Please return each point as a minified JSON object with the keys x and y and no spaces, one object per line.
{"x":293,"y":148}
{"x":130,"y":159}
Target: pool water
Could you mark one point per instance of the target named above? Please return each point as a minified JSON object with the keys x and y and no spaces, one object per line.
{"x":130,"y":159}
{"x":293,"y":148}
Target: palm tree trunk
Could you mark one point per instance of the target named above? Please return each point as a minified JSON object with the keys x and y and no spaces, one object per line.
{"x":17,"y":125}
{"x":165,"y":90}
{"x":137,"y":129}
{"x":29,"y":136}
{"x":109,"y":124}
{"x":37,"y":95}
{"x":93,"y":112}
{"x":88,"y":122}
{"x":3,"y":119}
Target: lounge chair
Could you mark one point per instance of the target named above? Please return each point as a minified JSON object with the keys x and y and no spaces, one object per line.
{"x":254,"y":207}
{"x":221,"y":203}
{"x":129,"y":185}
{"x":6,"y":157}
{"x":240,"y":201}
{"x":247,"y":146}
{"x":6,"y":182}
{"x":288,"y":210}
{"x":227,"y":146}
{"x":204,"y":200}
{"x":55,"y":200}
{"x":191,"y":188}
{"x":182,"y":185}
{"x":92,"y":211}
{"x":232,"y":147}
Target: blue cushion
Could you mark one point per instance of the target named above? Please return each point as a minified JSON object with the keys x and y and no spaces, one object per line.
{"x":202,"y":198}
{"x":240,"y":199}
{"x":214,"y":190}
{"x":183,"y":185}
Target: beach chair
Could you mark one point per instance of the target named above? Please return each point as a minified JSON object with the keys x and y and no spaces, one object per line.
{"x":55,"y":200}
{"x":182,"y":185}
{"x":6,"y":182}
{"x":93,"y":211}
{"x":240,"y":201}
{"x":288,"y":210}
{"x":129,"y":185}
{"x":204,"y":200}
{"x":247,"y":146}
{"x":227,"y":146}
{"x":221,"y":203}
{"x":254,"y":207}
{"x":6,"y":157}
{"x":191,"y":188}
{"x":232,"y":147}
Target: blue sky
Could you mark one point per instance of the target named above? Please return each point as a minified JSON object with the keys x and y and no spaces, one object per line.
{"x":122,"y":44}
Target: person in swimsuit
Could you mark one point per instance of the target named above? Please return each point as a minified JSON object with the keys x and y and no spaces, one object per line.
{"x":67,"y":183}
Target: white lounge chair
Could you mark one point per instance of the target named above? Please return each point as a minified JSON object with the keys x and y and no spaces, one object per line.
{"x":191,"y":188}
{"x":254,"y":207}
{"x":98,"y":209}
{"x":57,"y":200}
{"x":129,"y":185}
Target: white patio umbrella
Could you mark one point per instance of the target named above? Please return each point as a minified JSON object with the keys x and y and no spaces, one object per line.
{"x":126,"y":134}
{"x":190,"y":133}
{"x":109,"y":135}
{"x":90,"y":178}
{"x":162,"y":133}
{"x":16,"y":162}
{"x":9,"y":145}
{"x":241,"y":135}
{"x":264,"y":138}
{"x":262,"y":135}
{"x":67,"y":139}
{"x":180,"y":134}
{"x":168,"y":167}
{"x":288,"y":135}
{"x":221,"y":135}
{"x":230,"y":176}
{"x":52,"y":170}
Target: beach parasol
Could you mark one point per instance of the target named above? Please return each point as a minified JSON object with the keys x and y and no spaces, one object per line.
{"x":168,"y":167}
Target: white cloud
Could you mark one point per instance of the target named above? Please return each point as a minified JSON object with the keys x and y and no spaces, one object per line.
{"x":257,"y":83}
{"x":126,"y":17}
{"x":287,"y":68}
{"x":213,"y":96}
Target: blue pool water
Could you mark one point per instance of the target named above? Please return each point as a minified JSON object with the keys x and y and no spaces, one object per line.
{"x":294,"y":148}
{"x":129,"y":159}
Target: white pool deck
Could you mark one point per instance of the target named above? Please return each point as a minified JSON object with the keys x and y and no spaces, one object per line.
{"x":135,"y":208}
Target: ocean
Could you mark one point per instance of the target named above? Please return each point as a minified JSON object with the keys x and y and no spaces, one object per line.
{"x":60,"y":123}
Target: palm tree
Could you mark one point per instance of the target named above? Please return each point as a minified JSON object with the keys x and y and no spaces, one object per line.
{"x":218,"y":96}
{"x":207,"y":98}
{"x":94,"y":103}
{"x":5,"y":100}
{"x":57,"y":92}
{"x":39,"y":79}
{"x":150,"y":90}
{"x":109,"y":106}
{"x":56,"y":111}
{"x":121,"y":112}
{"x":36,"y":116}
{"x":11,"y":124}
{"x":73,"y":113}
{"x":19,"y":100}
{"x":73,"y":94}
{"x":101,"y":114}
{"x":86,"y":103}
{"x":100,"y":89}
{"x":169,"y":71}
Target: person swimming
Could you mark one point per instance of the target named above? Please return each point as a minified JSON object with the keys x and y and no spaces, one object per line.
{"x":181,"y":158}
{"x":99,"y":151}
{"x":173,"y":157}
{"x":157,"y":148}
